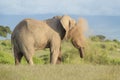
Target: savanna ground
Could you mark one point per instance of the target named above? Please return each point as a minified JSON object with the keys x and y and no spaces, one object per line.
{"x":101,"y":62}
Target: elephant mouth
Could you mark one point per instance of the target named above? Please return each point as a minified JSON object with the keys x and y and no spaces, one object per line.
{"x":81,"y":52}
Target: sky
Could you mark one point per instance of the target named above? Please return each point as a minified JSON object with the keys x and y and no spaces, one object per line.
{"x":82,"y":7}
{"x":103,"y":15}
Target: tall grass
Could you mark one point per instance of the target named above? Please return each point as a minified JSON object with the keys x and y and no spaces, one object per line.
{"x":59,"y":72}
{"x":96,"y":52}
{"x":101,"y":62}
{"x":101,"y":52}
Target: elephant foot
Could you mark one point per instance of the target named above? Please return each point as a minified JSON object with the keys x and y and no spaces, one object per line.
{"x":17,"y":63}
{"x":59,"y":60}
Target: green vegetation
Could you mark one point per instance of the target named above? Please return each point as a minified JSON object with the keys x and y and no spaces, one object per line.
{"x":6,"y":57}
{"x":97,"y":38}
{"x":101,"y":62}
{"x":4,"y":30}
{"x":103,"y":51}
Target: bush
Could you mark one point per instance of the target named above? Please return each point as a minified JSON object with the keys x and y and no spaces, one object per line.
{"x":6,"y":58}
{"x":4,"y":43}
{"x":97,"y":38}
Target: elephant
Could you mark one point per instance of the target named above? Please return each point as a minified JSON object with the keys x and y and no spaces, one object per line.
{"x":31,"y":34}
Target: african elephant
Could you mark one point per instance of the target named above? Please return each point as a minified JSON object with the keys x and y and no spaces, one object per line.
{"x":30,"y":35}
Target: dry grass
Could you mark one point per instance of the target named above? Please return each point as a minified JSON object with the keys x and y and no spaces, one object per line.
{"x":60,"y":72}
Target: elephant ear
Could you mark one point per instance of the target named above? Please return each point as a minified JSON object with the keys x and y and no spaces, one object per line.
{"x":65,"y":21}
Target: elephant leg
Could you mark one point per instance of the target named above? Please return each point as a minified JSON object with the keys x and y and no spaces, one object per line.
{"x":54,"y":56}
{"x":55,"y":49}
{"x":59,"y":60}
{"x":29,"y":58}
{"x":29,"y":55}
{"x":18,"y":56}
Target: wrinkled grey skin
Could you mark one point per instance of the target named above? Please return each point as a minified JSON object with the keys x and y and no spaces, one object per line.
{"x":30,"y":35}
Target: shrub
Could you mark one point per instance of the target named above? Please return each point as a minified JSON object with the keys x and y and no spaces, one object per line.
{"x":6,"y":58}
{"x":4,"y":43}
{"x":97,"y":38}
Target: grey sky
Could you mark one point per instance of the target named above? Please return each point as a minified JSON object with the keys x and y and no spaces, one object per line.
{"x":81,"y":7}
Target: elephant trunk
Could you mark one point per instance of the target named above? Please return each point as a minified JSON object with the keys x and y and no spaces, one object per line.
{"x":79,"y":47}
{"x":81,"y":52}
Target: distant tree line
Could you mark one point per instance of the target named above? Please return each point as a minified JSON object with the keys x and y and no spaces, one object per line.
{"x":98,"y":38}
{"x":4,"y":30}
{"x":102,"y":38}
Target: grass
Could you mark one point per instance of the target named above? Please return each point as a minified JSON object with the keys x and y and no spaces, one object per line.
{"x":96,"y":52}
{"x":101,"y":62}
{"x":60,"y":72}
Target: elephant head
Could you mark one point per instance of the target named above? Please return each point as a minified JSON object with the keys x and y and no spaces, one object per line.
{"x":75,"y":32}
{"x":67,"y":23}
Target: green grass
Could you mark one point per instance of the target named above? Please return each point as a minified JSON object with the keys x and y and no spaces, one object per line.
{"x":60,"y":72}
{"x":96,"y":52}
{"x":101,"y":62}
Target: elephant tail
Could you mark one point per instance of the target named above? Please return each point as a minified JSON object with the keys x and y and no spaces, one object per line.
{"x":12,"y":38}
{"x":14,"y":44}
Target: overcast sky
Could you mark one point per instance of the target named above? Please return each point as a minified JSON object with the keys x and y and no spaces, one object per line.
{"x":13,"y":11}
{"x":79,"y":7}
